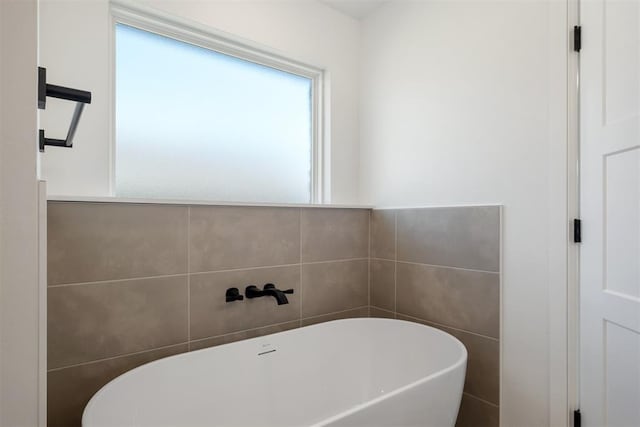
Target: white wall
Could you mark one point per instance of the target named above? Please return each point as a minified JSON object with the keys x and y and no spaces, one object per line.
{"x":461,"y":102}
{"x":74,"y":46}
{"x":465,"y":103}
{"x":20,"y":383}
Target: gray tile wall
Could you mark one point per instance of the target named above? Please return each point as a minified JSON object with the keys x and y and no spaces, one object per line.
{"x":129,"y":283}
{"x":441,"y":267}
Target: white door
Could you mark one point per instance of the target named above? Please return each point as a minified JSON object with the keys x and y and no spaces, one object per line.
{"x":610,"y":211}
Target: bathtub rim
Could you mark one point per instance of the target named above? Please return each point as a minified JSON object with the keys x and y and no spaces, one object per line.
{"x":462,"y":359}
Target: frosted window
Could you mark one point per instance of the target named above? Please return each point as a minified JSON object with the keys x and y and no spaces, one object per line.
{"x":192,"y":123}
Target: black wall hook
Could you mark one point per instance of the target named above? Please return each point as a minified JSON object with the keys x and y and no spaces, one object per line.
{"x":81,"y":98}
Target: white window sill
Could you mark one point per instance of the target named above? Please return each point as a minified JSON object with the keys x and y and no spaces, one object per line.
{"x":88,"y":199}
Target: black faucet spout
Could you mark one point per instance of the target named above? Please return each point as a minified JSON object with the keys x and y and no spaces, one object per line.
{"x":271,"y":290}
{"x":278,"y":295}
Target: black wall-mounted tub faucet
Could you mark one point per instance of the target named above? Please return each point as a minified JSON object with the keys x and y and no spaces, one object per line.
{"x":269,"y":289}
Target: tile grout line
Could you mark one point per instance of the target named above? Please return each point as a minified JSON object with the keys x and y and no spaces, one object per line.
{"x":231,"y":270}
{"x":189,"y":278}
{"x":106,"y":359}
{"x":395,"y":264}
{"x":436,"y":324}
{"x":384,"y":309}
{"x":262,"y":267}
{"x":131,"y":279}
{"x":501,"y":306}
{"x":382,"y":258}
{"x":335,"y":312}
{"x":448,"y":267}
{"x":280,"y":265}
{"x":335,"y":260}
{"x":480,"y":399}
{"x":300,"y":268}
{"x":369,"y":266}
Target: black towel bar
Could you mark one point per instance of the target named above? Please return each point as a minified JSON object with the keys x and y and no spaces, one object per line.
{"x":45,"y":90}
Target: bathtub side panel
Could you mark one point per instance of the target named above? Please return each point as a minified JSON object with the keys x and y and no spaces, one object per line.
{"x":434,"y":403}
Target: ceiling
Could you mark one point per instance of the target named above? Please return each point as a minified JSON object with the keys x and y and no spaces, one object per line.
{"x":357,"y":9}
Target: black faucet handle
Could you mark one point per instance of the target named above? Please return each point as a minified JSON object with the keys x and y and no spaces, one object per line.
{"x":233,"y":294}
{"x":287,"y":291}
{"x":252,"y":291}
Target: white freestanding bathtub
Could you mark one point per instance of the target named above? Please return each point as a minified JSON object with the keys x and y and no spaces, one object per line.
{"x":353,"y":372}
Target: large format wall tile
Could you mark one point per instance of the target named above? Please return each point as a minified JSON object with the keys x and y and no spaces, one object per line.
{"x":212,"y":316}
{"x":483,"y":363}
{"x":334,"y":286}
{"x":90,"y":322}
{"x":69,"y":389}
{"x":447,"y":273}
{"x":383,"y":234}
{"x":465,"y":237}
{"x":461,"y":299}
{"x":383,"y":284}
{"x":227,"y":237}
{"x":476,"y":413}
{"x":333,"y":234}
{"x":90,"y":242}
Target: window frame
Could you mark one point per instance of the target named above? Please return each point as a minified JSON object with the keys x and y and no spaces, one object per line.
{"x":161,"y":23}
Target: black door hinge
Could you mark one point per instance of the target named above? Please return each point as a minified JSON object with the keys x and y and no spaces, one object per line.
{"x":577,"y":230}
{"x":577,"y":418}
{"x":577,"y":38}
